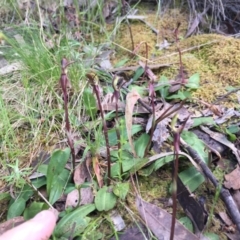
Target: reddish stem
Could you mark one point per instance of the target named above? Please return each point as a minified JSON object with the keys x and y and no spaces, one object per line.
{"x":64,"y":81}
{"x":96,"y":90}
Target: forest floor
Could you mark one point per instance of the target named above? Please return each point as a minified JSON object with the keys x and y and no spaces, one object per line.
{"x":98,"y":106}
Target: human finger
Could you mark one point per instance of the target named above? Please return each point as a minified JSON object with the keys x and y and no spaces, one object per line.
{"x":38,"y":228}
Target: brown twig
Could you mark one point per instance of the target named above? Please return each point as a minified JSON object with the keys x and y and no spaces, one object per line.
{"x":146,"y":106}
{"x":176,"y":135}
{"x":134,"y":68}
{"x":128,"y":24}
{"x":117,"y":83}
{"x":176,"y":143}
{"x":176,"y":32}
{"x":224,"y":193}
{"x":221,"y":98}
{"x":93,"y":79}
{"x":65,"y":84}
{"x":167,"y":113}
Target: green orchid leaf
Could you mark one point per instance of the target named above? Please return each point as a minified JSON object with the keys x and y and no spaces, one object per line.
{"x":187,"y":223}
{"x":129,"y":165}
{"x":211,"y":236}
{"x":16,"y":209}
{"x":56,"y":165}
{"x":42,"y":169}
{"x":89,"y":102}
{"x":138,"y":163}
{"x":193,"y":81}
{"x":39,"y":182}
{"x":86,"y":185}
{"x":232,"y":137}
{"x":141,"y":144}
{"x":112,"y":136}
{"x":74,"y":223}
{"x":5,"y":196}
{"x":163,"y":89}
{"x":162,"y":161}
{"x":139,"y":72}
{"x":192,"y":140}
{"x":69,"y":188}
{"x":180,"y":95}
{"x":34,"y":209}
{"x":155,"y":165}
{"x":58,"y":185}
{"x":140,"y":89}
{"x":121,"y":190}
{"x":105,"y":199}
{"x":202,"y":121}
{"x":124,"y":155}
{"x":26,"y":192}
{"x":191,"y":178}
{"x":233,"y":129}
{"x":146,"y":171}
{"x":197,"y":144}
{"x":121,"y":62}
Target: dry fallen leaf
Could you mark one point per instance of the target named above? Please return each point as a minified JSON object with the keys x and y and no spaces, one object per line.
{"x":161,"y":133}
{"x":192,"y":207}
{"x":225,"y":218}
{"x":136,"y":232}
{"x":222,"y":139}
{"x":81,"y":175}
{"x":226,"y":115}
{"x":117,"y":220}
{"x":158,"y":114}
{"x":163,"y":45}
{"x":97,"y":170}
{"x":233,"y":236}
{"x":194,"y":25}
{"x":159,"y":222}
{"x":11,"y":223}
{"x":11,"y":68}
{"x":232,"y":179}
{"x":149,"y":72}
{"x":131,"y":100}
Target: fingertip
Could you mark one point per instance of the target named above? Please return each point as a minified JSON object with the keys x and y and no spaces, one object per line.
{"x":38,"y":228}
{"x":50,"y":215}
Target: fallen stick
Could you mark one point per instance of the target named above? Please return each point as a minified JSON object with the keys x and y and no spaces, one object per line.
{"x":224,"y":193}
{"x":134,"y":68}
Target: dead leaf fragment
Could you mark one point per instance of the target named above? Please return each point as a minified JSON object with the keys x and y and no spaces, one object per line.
{"x":117,"y":220}
{"x":232,"y":179}
{"x":149,"y":72}
{"x":97,"y":171}
{"x":163,"y":45}
{"x":161,"y":133}
{"x":159,"y":221}
{"x":11,"y":223}
{"x":233,"y":236}
{"x":193,"y":209}
{"x":81,"y":175}
{"x":136,"y":232}
{"x":223,"y":139}
{"x":131,"y":100}
{"x":225,"y":218}
{"x":194,"y":25}
{"x":11,"y":68}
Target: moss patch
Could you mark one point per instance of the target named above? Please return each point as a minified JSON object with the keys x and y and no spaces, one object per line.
{"x":213,"y":56}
